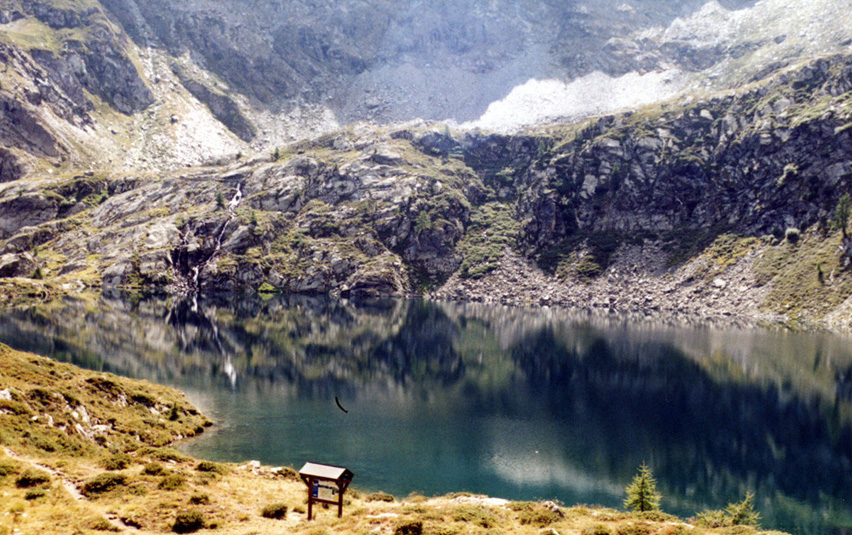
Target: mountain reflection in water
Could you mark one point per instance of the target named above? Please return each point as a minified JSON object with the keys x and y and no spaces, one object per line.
{"x":510,"y":402}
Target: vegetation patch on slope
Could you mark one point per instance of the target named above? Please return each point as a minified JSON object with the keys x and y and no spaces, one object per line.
{"x":490,"y":231}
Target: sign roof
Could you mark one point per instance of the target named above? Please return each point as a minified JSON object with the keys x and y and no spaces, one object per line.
{"x":324,"y":471}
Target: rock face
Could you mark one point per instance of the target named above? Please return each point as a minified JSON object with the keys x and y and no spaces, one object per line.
{"x":220,"y":105}
{"x":11,"y":168}
{"x":759,"y":162}
{"x":449,"y":60}
{"x":96,"y":60}
{"x":64,"y":53}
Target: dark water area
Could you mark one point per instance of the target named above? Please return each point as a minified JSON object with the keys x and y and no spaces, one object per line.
{"x":521,"y":404}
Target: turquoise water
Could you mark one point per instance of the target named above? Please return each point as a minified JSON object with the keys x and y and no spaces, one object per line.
{"x":521,"y":404}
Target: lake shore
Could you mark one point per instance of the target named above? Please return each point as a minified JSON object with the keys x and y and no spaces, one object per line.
{"x":86,"y":452}
{"x":636,"y":283}
{"x":724,"y":288}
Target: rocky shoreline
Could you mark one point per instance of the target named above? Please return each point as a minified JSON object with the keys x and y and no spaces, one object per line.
{"x":638,"y":284}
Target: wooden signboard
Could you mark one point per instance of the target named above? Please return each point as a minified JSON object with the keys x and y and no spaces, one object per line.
{"x":326,"y":484}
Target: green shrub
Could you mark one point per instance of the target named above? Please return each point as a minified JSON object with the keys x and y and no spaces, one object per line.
{"x":445,"y":529}
{"x":842,"y":213}
{"x":43,"y":443}
{"x":131,"y":520}
{"x":743,"y":513}
{"x":8,"y":468}
{"x":188,"y":521}
{"x":153,"y":469}
{"x":539,"y":517}
{"x":144,"y":398}
{"x":736,"y":514}
{"x":119,"y":461}
{"x":521,"y":506}
{"x":32,"y":478}
{"x":163,"y":454}
{"x":597,"y":529}
{"x":739,"y":530}
{"x":379,"y":497}
{"x":18,"y":507}
{"x":289,"y":473}
{"x":15,"y":407}
{"x":102,"y":524}
{"x":657,"y":516}
{"x":475,"y":514}
{"x":711,"y":518}
{"x":171,"y":482}
{"x":411,"y":527}
{"x":137,"y":489}
{"x":199,"y":499}
{"x":209,"y":466}
{"x":635,"y":529}
{"x":587,"y":268}
{"x":35,"y":493}
{"x":266,"y":288}
{"x":103,"y":483}
{"x":423,"y":222}
{"x":675,"y":529}
{"x":277,"y":511}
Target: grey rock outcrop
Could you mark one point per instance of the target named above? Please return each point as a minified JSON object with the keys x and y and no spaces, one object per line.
{"x":11,"y":167}
{"x":96,"y":59}
{"x":220,"y":105}
{"x":16,"y":265}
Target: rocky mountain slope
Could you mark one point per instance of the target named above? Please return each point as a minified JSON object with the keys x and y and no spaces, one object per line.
{"x":713,"y":206}
{"x":142,"y":147}
{"x":156,"y":85}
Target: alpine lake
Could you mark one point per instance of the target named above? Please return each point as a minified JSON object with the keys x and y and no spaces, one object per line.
{"x":437,"y":397}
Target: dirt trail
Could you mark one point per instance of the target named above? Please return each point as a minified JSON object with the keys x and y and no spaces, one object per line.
{"x":71,"y":488}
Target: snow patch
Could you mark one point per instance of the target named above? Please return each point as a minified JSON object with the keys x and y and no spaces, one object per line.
{"x":539,"y":101}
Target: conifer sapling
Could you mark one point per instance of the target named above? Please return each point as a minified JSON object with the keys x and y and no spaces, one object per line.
{"x":642,"y":493}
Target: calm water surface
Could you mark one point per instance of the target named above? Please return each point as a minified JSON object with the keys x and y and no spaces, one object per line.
{"x":522,"y":404}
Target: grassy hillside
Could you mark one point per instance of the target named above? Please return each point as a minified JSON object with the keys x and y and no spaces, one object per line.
{"x":87,"y":452}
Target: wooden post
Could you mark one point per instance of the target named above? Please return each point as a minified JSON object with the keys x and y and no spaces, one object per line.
{"x":342,"y":486}
{"x":310,"y":498}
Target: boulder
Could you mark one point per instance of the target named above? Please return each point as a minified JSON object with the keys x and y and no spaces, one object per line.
{"x":17,"y":265}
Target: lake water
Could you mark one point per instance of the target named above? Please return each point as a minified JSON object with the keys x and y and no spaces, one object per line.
{"x":521,"y":404}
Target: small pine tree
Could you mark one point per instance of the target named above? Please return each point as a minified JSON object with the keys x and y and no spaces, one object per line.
{"x":743,"y":513}
{"x":642,"y":493}
{"x":220,"y":200}
{"x":276,"y":155}
{"x":842,"y":213}
{"x":423,"y":222}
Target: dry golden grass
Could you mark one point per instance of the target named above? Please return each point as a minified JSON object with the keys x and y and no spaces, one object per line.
{"x":151,"y":486}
